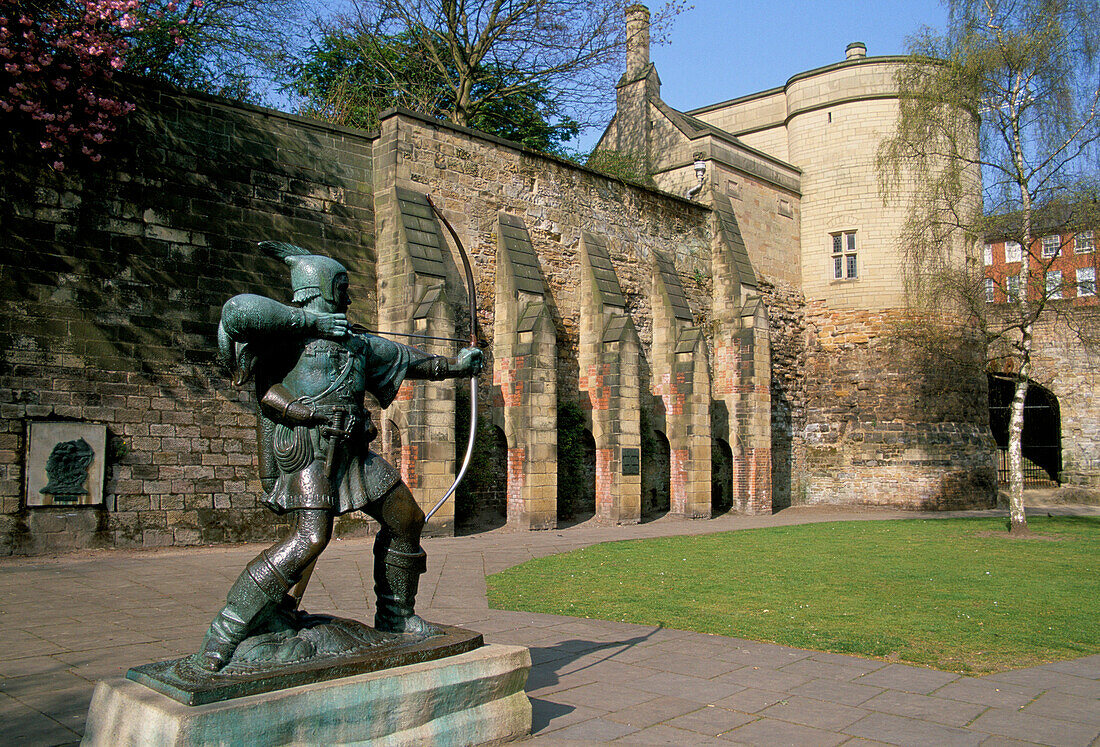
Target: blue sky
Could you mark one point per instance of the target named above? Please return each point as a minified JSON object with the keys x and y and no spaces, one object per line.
{"x":721,"y":49}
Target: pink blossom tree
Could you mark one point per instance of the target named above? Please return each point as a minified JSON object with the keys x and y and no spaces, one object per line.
{"x":58,"y":59}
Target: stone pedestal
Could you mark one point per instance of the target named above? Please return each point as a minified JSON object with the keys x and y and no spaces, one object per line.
{"x":472,"y":698}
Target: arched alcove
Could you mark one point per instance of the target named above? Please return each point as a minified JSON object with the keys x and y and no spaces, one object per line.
{"x":656,"y":475}
{"x":481,"y":501}
{"x":1042,"y":436}
{"x":576,"y":468}
{"x":721,"y":477}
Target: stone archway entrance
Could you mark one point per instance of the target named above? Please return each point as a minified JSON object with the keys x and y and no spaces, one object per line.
{"x":656,"y":476}
{"x":721,"y":477}
{"x":1042,"y":436}
{"x":481,"y":501}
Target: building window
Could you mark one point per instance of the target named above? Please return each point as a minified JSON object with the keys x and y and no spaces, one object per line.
{"x":845,"y":266}
{"x":785,"y":208}
{"x":733,"y":189}
{"x":1013,"y":287}
{"x":990,"y":290}
{"x":987,"y":255}
{"x":1013,"y":253}
{"x":1054,"y":284}
{"x":1052,"y":246}
{"x":1083,"y":242}
{"x":1086,"y":281}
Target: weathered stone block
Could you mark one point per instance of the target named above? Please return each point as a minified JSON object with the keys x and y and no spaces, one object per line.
{"x":473,"y":698}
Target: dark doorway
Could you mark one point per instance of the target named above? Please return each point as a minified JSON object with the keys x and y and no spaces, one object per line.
{"x":1042,"y":436}
{"x":576,"y":467}
{"x":656,"y":476}
{"x":481,"y":501}
{"x":721,"y":477}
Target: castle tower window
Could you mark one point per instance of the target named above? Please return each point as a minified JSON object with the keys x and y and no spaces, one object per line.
{"x":1054,"y":284}
{"x":1086,"y":281}
{"x":990,"y":288}
{"x":845,"y":266}
{"x":1083,"y":243}
{"x":1052,"y":246}
{"x":1013,"y":252}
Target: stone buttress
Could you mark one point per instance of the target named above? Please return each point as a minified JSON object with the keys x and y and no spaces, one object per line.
{"x":525,"y":369}
{"x":609,"y":361}
{"x":680,"y":377}
{"x":412,"y":293}
{"x":742,"y":363}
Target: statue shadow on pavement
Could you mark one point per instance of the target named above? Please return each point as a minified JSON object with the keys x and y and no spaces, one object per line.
{"x":552,"y":663}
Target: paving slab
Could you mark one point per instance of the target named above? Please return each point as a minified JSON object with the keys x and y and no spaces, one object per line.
{"x":909,"y":679}
{"x":655,"y":711}
{"x":710,"y":721}
{"x":1035,"y":728}
{"x":912,"y":732}
{"x":937,"y":710}
{"x":665,"y":734}
{"x":820,"y":714}
{"x":772,"y":733}
{"x":846,"y":693}
{"x":68,"y":621}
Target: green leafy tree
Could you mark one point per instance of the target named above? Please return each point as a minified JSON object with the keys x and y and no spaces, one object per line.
{"x":996,"y":138}
{"x":350,"y":82}
{"x":231,"y":48}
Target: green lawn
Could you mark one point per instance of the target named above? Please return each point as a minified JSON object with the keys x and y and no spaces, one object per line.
{"x":954,"y":594}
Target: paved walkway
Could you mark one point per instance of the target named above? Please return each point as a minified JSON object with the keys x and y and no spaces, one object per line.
{"x":67,"y":622}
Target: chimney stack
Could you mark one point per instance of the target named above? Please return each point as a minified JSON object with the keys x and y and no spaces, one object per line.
{"x":855,"y":51}
{"x":637,"y":40}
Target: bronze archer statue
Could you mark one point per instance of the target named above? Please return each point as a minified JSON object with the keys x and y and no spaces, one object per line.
{"x":311,"y":373}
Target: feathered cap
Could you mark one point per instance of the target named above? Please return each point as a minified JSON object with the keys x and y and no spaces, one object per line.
{"x":311,"y":275}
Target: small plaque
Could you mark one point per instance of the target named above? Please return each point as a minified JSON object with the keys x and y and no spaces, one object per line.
{"x":65,"y":463}
{"x":632,"y":461}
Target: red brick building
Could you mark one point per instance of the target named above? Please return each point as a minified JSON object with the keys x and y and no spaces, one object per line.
{"x":1064,"y":265}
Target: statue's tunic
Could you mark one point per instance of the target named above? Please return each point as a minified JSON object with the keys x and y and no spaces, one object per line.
{"x":329,"y":376}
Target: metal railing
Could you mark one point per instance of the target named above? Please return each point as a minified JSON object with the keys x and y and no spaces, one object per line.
{"x":1034,"y":475}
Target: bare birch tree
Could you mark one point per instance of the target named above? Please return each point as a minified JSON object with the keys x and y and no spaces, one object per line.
{"x":572,"y":50}
{"x":997,"y":137}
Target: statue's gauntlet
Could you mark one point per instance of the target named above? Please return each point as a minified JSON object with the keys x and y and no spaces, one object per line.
{"x":436,"y":368}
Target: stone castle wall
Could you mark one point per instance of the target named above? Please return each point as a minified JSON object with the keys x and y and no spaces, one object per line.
{"x":111,"y":285}
{"x":887,"y":422}
{"x":836,"y":121}
{"x":1067,"y":362}
{"x":523,"y":219}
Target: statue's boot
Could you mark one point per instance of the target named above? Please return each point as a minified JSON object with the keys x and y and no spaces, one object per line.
{"x":396,"y":580}
{"x":288,"y":612}
{"x":250,"y":600}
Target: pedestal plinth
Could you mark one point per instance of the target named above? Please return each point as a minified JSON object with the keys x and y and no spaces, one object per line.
{"x":472,"y":698}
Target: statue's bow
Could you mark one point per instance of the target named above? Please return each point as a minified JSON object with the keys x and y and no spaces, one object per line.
{"x":470,"y":291}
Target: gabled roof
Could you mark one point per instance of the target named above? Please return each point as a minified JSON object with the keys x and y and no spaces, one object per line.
{"x":694,"y":128}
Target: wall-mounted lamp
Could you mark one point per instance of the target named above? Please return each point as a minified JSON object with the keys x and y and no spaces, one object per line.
{"x":700,"y":174}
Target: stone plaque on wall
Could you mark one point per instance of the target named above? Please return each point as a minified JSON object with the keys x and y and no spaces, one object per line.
{"x":65,"y":463}
{"x":632,"y":461}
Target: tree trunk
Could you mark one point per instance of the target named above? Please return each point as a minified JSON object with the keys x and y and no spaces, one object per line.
{"x":1016,"y":516}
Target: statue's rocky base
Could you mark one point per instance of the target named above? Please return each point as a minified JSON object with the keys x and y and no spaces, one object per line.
{"x":475,"y":697}
{"x":300,"y":651}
